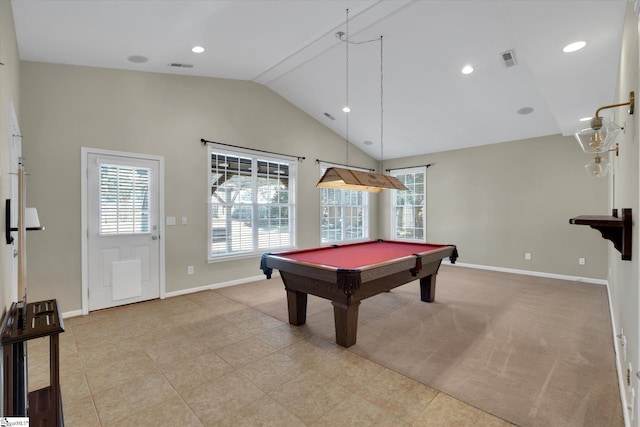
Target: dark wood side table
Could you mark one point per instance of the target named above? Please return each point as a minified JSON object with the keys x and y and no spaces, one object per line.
{"x":39,"y":319}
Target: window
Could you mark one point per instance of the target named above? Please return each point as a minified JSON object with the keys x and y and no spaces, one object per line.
{"x":344,"y":214}
{"x":124,"y":200}
{"x":252,"y":202}
{"x":408,"y":206}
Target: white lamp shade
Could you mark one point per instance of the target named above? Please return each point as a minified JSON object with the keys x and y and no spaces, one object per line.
{"x":598,"y":140}
{"x":31,"y":219}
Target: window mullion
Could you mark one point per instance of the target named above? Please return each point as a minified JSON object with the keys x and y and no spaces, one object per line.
{"x":254,"y":205}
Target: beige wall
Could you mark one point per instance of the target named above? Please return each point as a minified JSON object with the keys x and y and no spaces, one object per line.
{"x":65,"y":108}
{"x":624,"y":279}
{"x":9,"y":93}
{"x":497,"y":202}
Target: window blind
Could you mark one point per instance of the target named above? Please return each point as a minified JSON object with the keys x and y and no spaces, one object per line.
{"x":252,"y":205}
{"x":124,"y":200}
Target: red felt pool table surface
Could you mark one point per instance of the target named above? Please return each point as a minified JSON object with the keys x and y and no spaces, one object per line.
{"x":358,"y":255}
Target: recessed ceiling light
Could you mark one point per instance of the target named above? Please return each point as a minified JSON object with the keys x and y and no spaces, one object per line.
{"x":138,"y":59}
{"x":585,"y":119}
{"x":572,"y":47}
{"x":467,"y":69}
{"x":346,"y":109}
{"x":525,"y":110}
{"x":197,"y":49}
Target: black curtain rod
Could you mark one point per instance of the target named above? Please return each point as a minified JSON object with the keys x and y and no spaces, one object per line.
{"x":204,"y":142}
{"x":409,"y":167}
{"x":340,"y":164}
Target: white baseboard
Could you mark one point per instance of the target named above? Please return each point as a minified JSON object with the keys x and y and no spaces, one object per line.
{"x":530,"y":273}
{"x":621,"y":377}
{"x":76,"y":313}
{"x":218,"y":285}
{"x":73,"y":313}
{"x":241,"y":281}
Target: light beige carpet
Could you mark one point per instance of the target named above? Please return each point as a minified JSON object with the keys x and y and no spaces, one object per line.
{"x":533,"y":351}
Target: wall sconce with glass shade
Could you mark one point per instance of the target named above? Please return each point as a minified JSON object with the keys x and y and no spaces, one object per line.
{"x":600,"y":137}
{"x":597,"y":167}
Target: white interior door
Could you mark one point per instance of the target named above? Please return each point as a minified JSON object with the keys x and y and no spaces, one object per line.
{"x":123,"y":232}
{"x":15,"y":153}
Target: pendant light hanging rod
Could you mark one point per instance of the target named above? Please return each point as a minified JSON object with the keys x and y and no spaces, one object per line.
{"x":348,"y":179}
{"x":381,"y":108}
{"x":346,"y":108}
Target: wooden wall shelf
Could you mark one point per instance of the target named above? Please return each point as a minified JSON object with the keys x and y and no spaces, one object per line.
{"x":613,"y":228}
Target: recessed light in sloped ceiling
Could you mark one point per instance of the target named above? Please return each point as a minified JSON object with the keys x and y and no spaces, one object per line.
{"x":574,"y":47}
{"x":467,"y":69}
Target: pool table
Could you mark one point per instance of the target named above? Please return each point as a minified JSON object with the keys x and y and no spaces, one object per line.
{"x":347,"y":274}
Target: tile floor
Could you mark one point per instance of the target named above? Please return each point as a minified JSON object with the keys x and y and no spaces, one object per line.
{"x":205,"y":360}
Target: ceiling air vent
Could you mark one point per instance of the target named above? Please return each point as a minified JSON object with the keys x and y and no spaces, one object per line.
{"x":178,"y":65}
{"x":509,"y":58}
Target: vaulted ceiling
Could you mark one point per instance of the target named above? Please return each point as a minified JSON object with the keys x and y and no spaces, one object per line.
{"x":291,"y":47}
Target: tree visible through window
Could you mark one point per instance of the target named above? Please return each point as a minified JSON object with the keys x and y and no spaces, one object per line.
{"x":252,"y":203}
{"x":409,"y":206}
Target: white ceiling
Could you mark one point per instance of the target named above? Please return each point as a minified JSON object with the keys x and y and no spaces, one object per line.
{"x":291,"y":47}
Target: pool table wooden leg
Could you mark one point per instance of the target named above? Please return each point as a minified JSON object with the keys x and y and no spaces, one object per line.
{"x":297,"y":304}
{"x":346,"y":322}
{"x":428,"y":288}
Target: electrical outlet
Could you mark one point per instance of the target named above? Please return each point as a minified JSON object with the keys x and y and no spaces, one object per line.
{"x":184,"y":220}
{"x":581,"y":261}
{"x":190,"y":269}
{"x":527,"y":256}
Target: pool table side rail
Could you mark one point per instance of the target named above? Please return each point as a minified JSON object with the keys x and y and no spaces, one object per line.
{"x":322,"y":272}
{"x":278,"y":260}
{"x":413,"y":262}
{"x":350,"y":280}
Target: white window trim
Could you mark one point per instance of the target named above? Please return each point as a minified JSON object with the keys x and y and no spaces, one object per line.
{"x":396,"y":172}
{"x":293,"y":192}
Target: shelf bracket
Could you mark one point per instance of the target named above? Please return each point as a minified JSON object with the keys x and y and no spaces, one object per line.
{"x":613,"y":228}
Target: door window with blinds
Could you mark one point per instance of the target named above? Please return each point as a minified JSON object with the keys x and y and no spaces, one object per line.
{"x":344,"y":214}
{"x":124,"y":200}
{"x":409,"y":206}
{"x":252,"y":202}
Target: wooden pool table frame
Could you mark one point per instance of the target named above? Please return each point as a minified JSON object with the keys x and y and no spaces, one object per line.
{"x":346,"y":288}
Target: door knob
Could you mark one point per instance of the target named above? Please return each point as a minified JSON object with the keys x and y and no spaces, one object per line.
{"x":154,"y":237}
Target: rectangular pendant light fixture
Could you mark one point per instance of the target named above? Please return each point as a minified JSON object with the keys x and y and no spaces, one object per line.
{"x":349,"y":179}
